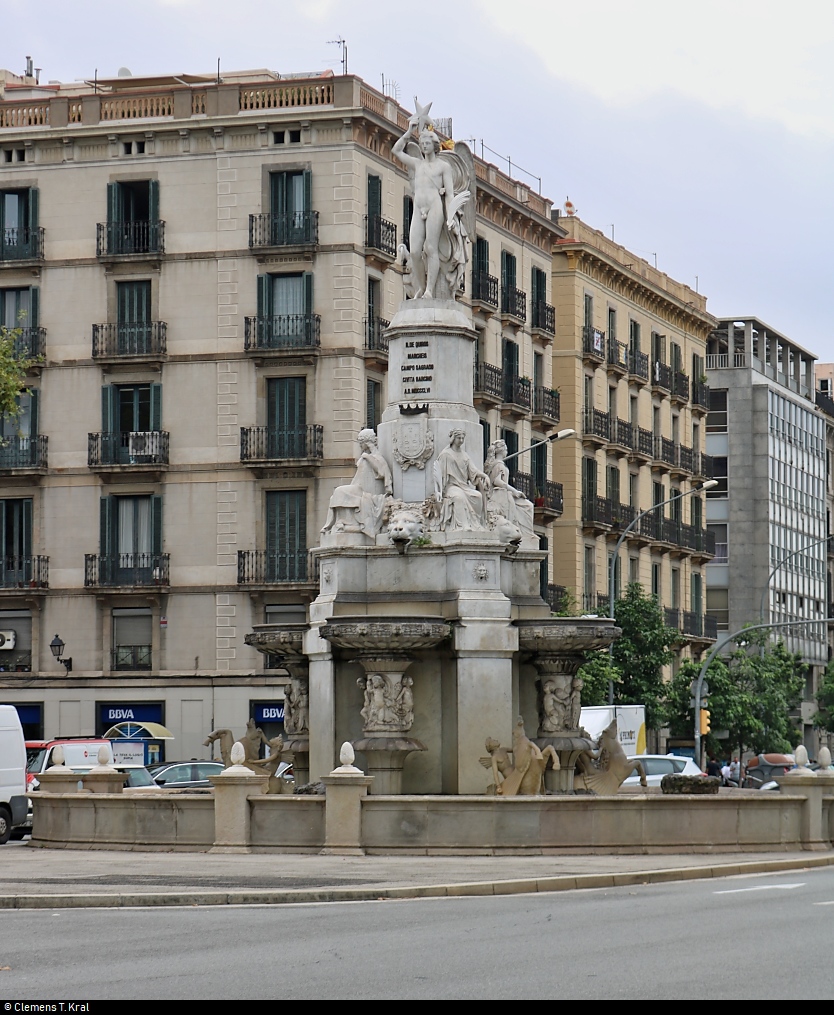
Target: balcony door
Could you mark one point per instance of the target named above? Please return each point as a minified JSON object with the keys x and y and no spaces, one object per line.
{"x":133,"y":318}
{"x":291,"y":203}
{"x":131,"y":539}
{"x":131,"y":416}
{"x":285,"y":305}
{"x":287,"y":417}
{"x":16,"y":547}
{"x":286,"y":536}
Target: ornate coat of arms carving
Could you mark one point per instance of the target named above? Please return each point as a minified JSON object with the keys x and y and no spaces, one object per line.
{"x":413,"y":442}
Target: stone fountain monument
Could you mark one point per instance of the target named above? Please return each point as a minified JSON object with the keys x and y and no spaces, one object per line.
{"x":429,"y":631}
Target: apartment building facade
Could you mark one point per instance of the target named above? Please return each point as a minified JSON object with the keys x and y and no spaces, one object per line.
{"x":629,"y":353}
{"x":768,"y":513}
{"x":205,"y":270}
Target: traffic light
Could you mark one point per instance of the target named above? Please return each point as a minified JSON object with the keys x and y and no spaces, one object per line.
{"x":704,"y":721}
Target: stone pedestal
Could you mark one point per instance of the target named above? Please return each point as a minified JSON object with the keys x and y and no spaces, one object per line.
{"x":104,"y":782}
{"x":300,"y":749}
{"x":232,"y":790}
{"x":66,"y":781}
{"x":384,"y":759}
{"x":343,"y":813}
{"x":812,"y":788}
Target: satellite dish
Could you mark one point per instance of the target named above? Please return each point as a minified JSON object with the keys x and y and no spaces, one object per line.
{"x":124,"y":72}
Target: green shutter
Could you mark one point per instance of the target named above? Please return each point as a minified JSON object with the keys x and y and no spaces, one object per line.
{"x":156,"y":407}
{"x":26,"y":525}
{"x":107,"y":526}
{"x":308,"y":292}
{"x":153,"y":200}
{"x":286,"y":535}
{"x":34,"y":398}
{"x":374,"y":197}
{"x":482,"y":256}
{"x":34,"y":307}
{"x":33,"y":208}
{"x":156,"y":524}
{"x":115,"y":204}
{"x":504,"y":269}
{"x":264,"y":296}
{"x":109,"y":409}
{"x":308,"y":191}
{"x":509,"y":357}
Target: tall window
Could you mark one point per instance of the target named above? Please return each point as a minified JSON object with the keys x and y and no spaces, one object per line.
{"x":656,"y":580}
{"x":130,"y":539}
{"x":19,"y":234}
{"x":291,"y":200}
{"x":658,"y":348}
{"x":612,"y":323}
{"x":373,"y":398}
{"x":719,"y":474}
{"x":133,"y":318}
{"x":19,"y":312}
{"x":696,"y":597}
{"x":509,"y":363}
{"x":676,"y":588}
{"x":589,"y":479}
{"x":719,"y":530}
{"x":717,"y":415}
{"x":633,"y":336}
{"x":718,"y":606}
{"x":539,"y":465}
{"x":590,"y":573}
{"x":15,"y":536}
{"x":131,"y":638}
{"x":286,"y":535}
{"x":612,"y":479}
{"x":133,"y":225}
{"x":131,"y":416}
{"x":589,"y":310}
{"x":285,"y":311}
{"x":287,"y":417}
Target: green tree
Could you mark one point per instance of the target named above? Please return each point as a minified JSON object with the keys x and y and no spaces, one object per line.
{"x":824,"y":717}
{"x":751,"y":695}
{"x":638,"y":657}
{"x":13,"y":369}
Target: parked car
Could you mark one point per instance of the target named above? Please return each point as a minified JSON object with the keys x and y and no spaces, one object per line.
{"x":764,"y":768}
{"x":657,"y":765}
{"x":185,"y":774}
{"x":79,"y":752}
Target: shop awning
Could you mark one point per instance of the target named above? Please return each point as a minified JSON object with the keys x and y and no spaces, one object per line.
{"x":139,"y":731}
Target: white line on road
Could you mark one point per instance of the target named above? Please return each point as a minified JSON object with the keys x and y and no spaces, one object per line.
{"x":757,"y":888}
{"x":823,"y":903}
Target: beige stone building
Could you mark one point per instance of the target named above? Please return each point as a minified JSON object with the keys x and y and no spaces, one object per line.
{"x":206,"y":269}
{"x":629,"y":354}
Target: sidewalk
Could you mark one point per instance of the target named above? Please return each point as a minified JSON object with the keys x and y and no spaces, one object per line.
{"x":33,"y":878}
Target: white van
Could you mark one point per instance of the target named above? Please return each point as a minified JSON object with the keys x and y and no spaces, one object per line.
{"x":13,"y":802}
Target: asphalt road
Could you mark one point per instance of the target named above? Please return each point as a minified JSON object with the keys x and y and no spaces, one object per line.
{"x":750,"y":938}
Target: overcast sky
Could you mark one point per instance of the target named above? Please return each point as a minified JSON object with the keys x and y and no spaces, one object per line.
{"x":702,"y":133}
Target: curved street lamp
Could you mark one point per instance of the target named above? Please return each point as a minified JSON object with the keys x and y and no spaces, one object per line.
{"x":560,"y":436}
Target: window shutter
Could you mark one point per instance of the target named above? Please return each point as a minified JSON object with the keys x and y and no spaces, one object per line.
{"x":308,"y":190}
{"x":264,"y":296}
{"x":482,"y":256}
{"x":115,"y":205}
{"x":34,"y":398}
{"x":156,"y":524}
{"x":107,"y":528}
{"x":34,"y":307}
{"x":26,"y":524}
{"x":109,"y":408}
{"x":153,"y":200}
{"x":33,"y":208}
{"x":374,"y":197}
{"x":504,"y":269}
{"x":156,"y":407}
{"x":371,"y":402}
{"x":308,"y":292}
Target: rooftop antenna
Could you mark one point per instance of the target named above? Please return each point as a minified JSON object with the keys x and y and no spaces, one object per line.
{"x":30,"y":71}
{"x":390,"y":88}
{"x":218,"y":70}
{"x":342,"y":44}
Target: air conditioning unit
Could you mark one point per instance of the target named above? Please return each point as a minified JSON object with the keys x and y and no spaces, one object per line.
{"x":7,"y":640}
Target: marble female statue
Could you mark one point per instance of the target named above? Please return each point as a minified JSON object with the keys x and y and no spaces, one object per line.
{"x":443,"y":219}
{"x":296,"y":707}
{"x":460,"y":488}
{"x":358,"y":507}
{"x":504,"y":499}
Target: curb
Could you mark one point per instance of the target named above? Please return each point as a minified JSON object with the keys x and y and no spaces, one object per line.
{"x":518,"y":886}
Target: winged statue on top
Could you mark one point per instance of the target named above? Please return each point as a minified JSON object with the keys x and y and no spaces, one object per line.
{"x":442,"y":177}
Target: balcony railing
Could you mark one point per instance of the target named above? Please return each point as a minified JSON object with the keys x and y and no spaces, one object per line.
{"x":23,"y":452}
{"x":24,"y":572}
{"x":672,"y":617}
{"x":707,"y":466}
{"x":597,"y":510}
{"x":664,"y":451}
{"x":293,"y":229}
{"x":622,"y":433}
{"x":700,"y":394}
{"x":617,"y":354}
{"x":597,"y":423}
{"x":267,"y":567}
{"x":126,"y":569}
{"x":593,"y":343}
{"x":286,"y":331}
{"x":116,"y":238}
{"x":546,"y":403}
{"x":131,"y":657}
{"x":513,"y":302}
{"x":726,"y":361}
{"x":485,"y":288}
{"x":551,"y":498}
{"x":544,"y":318}
{"x":489,"y":380}
{"x":662,"y":376}
{"x":680,"y":385}
{"x":686,"y":458}
{"x":269,"y":444}
{"x":596,"y":602}
{"x":21,"y":244}
{"x":146,"y":339}
{"x":699,"y":625}
{"x":522,"y":481}
{"x":622,"y":515}
{"x":380,"y":234}
{"x":699,"y":540}
{"x":142,"y":447}
{"x":375,"y":337}
{"x":638,"y":364}
{"x":643,"y":441}
{"x":29,"y":343}
{"x":556,"y":597}
{"x":651,"y":526}
{"x":518,"y":391}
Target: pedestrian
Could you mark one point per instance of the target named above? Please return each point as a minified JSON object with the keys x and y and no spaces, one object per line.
{"x":713,"y":767}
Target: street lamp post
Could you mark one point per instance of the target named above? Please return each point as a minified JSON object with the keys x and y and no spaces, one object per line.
{"x":716,"y":648}
{"x":612,"y":565}
{"x":560,"y":436}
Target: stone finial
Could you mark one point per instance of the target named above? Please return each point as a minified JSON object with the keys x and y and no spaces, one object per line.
{"x":238,"y":754}
{"x":105,"y":759}
{"x":347,"y":757}
{"x":58,"y":765}
{"x":801,"y":756}
{"x":824,"y":758}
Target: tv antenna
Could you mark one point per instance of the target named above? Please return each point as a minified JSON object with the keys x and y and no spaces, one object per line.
{"x":390,"y":88}
{"x":342,"y":44}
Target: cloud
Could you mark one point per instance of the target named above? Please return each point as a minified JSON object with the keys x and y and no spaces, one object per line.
{"x":766,"y":59}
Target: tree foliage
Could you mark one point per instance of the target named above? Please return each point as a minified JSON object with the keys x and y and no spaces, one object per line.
{"x":824,"y":717}
{"x":751,"y":695}
{"x":13,"y":369}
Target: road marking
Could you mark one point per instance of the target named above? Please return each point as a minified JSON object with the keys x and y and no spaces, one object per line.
{"x":757,"y":888}
{"x":823,"y":903}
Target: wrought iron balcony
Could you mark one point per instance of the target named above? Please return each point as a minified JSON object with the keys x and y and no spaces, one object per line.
{"x":556,"y":597}
{"x":23,"y":452}
{"x":596,"y":602}
{"x":596,"y":510}
{"x":707,"y":466}
{"x":142,"y":447}
{"x":662,"y":376}
{"x":380,"y":234}
{"x":294,"y":229}
{"x":269,"y":444}
{"x":700,"y":541}
{"x":375,"y":337}
{"x":622,"y":433}
{"x":651,"y":526}
{"x":286,"y":331}
{"x":643,"y":441}
{"x":119,"y":238}
{"x":622,"y":515}
{"x":617,"y":356}
{"x":513,"y":302}
{"x":131,"y":657}
{"x":686,"y":458}
{"x":664,"y":451}
{"x":680,"y":386}
{"x":126,"y":569}
{"x":593,"y":343}
{"x":148,"y":339}
{"x":699,"y":625}
{"x":546,"y":403}
{"x":522,"y":481}
{"x":489,"y":381}
{"x":597,"y":423}
{"x":544,"y":318}
{"x":518,"y":391}
{"x":485,"y":288}
{"x":29,"y":343}
{"x":21,"y":244}
{"x":672,"y":617}
{"x":550,"y":500}
{"x":700,"y":395}
{"x":24,"y":572}
{"x":638,"y":365}
{"x":272,"y":567}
